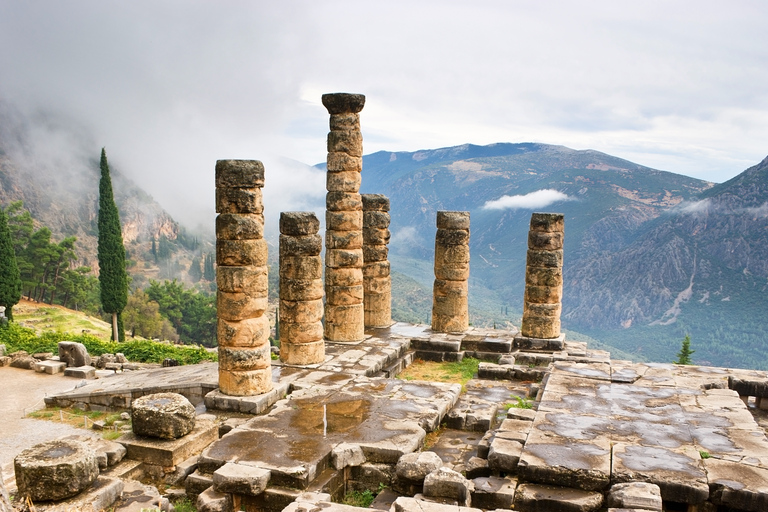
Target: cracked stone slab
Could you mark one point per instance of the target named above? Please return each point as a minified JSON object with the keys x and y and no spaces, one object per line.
{"x":596,"y":370}
{"x":737,"y":486}
{"x":538,"y":498}
{"x":678,"y":472}
{"x":404,"y":504}
{"x":552,"y":459}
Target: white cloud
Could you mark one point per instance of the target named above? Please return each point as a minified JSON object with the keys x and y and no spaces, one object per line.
{"x":538,"y":199}
{"x":404,"y":236}
{"x":760,"y":211}
{"x":692,"y":207}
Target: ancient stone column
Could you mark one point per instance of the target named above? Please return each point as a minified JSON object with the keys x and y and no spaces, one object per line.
{"x":450,"y":304}
{"x":241,"y":278}
{"x":544,"y":277}
{"x":301,"y":289}
{"x":377,"y":285}
{"x":344,"y":316}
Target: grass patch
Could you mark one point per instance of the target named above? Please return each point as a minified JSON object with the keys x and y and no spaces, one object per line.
{"x":432,"y":437}
{"x":80,"y":419}
{"x":185,"y":505}
{"x":458,"y":372}
{"x":358,"y":498}
{"x":704,"y":454}
{"x":519,"y":403}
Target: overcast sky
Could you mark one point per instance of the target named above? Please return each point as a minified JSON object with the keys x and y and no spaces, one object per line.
{"x":169,"y":87}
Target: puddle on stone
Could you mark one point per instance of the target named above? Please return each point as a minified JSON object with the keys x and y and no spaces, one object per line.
{"x":572,"y":455}
{"x":649,"y":458}
{"x":60,"y":450}
{"x":403,"y":329}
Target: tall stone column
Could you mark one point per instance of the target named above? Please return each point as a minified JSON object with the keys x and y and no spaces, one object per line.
{"x":344,"y":316}
{"x":543,"y":283}
{"x":241,"y":277}
{"x":377,"y":285}
{"x":450,"y":304}
{"x":301,"y":289}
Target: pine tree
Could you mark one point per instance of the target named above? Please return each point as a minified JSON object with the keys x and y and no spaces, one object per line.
{"x":112,"y":275}
{"x":684,"y":356}
{"x":10,"y":279}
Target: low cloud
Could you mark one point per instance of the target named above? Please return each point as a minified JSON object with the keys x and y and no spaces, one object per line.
{"x":760,"y":211}
{"x":693,"y":207}
{"x":538,"y":199}
{"x":405,"y":236}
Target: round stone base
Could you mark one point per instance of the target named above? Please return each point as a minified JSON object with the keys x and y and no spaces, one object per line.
{"x":55,"y":470}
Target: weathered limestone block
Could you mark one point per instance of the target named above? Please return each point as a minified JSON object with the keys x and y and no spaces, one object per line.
{"x":300,"y":332}
{"x":342,"y":162}
{"x":504,"y":455}
{"x":241,"y":252}
{"x":493,"y":492}
{"x":298,"y":223}
{"x":344,"y":295}
{"x":415,"y":466}
{"x":245,"y":358}
{"x":635,"y":495}
{"x":303,"y":354}
{"x":248,"y":279}
{"x":344,"y":221}
{"x":307,"y":245}
{"x":345,"y":141}
{"x":544,"y":277}
{"x":239,"y":200}
{"x":375,"y":252}
{"x":212,"y":501}
{"x":301,"y":289}
{"x":447,"y":483}
{"x":345,"y":121}
{"x":452,"y":237}
{"x":239,"y":174}
{"x":55,"y":470}
{"x":162,"y":415}
{"x":543,"y":294}
{"x":345,"y":323}
{"x":337,"y":201}
{"x":343,"y":103}
{"x":345,"y":277}
{"x":73,"y":353}
{"x":339,"y":258}
{"x":251,"y":332}
{"x":306,"y":311}
{"x":344,"y":240}
{"x":547,"y":222}
{"x":300,"y":267}
{"x":343,"y":181}
{"x":245,"y":383}
{"x":240,"y":479}
{"x":545,"y":241}
{"x":240,"y":306}
{"x":375,"y":269}
{"x":240,"y":226}
{"x":346,"y":454}
{"x":535,"y":498}
{"x":374,"y":218}
{"x":452,"y":220}
{"x":377,"y":285}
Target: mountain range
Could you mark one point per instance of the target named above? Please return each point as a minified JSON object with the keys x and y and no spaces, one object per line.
{"x":650,"y":256}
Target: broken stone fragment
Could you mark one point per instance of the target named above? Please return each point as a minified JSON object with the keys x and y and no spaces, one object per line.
{"x":452,"y":220}
{"x":416,"y":466}
{"x":534,"y":498}
{"x":212,"y":501}
{"x":346,"y":454}
{"x":447,"y":483}
{"x":55,"y":470}
{"x":73,"y":353}
{"x":162,"y":415}
{"x":343,"y":103}
{"x":240,"y":479}
{"x":635,"y":495}
{"x":239,"y":174}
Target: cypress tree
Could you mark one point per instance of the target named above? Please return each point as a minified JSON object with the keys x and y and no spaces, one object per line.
{"x":10,"y":278}
{"x":112,"y":275}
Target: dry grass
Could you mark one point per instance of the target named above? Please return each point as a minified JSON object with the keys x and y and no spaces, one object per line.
{"x":81,"y":419}
{"x":459,"y":372}
{"x":47,"y":317}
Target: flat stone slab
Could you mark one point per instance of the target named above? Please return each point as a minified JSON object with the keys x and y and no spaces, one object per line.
{"x":543,"y":498}
{"x":81,"y":372}
{"x":50,"y":367}
{"x":386,"y":418}
{"x":118,"y":391}
{"x":101,"y":495}
{"x":404,"y":504}
{"x":739,"y":486}
{"x":170,"y":452}
{"x":678,"y":472}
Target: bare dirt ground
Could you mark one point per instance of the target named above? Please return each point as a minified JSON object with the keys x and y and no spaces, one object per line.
{"x":22,"y":391}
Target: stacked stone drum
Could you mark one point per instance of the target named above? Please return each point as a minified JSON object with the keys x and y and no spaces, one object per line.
{"x":450,"y":304}
{"x":344,"y":316}
{"x":377,"y":284}
{"x":544,"y":277}
{"x":301,"y":289}
{"x":241,"y":277}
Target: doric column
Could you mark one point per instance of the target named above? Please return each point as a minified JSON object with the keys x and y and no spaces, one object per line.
{"x":377,"y":285}
{"x":241,"y":277}
{"x":344,"y":317}
{"x":301,"y":289}
{"x":544,"y":277}
{"x":450,"y":305}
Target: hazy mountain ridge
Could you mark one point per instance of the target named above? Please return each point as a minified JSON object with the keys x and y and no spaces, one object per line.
{"x":648,"y":253}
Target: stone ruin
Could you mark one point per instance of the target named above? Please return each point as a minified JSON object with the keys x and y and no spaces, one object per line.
{"x":546,"y":425}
